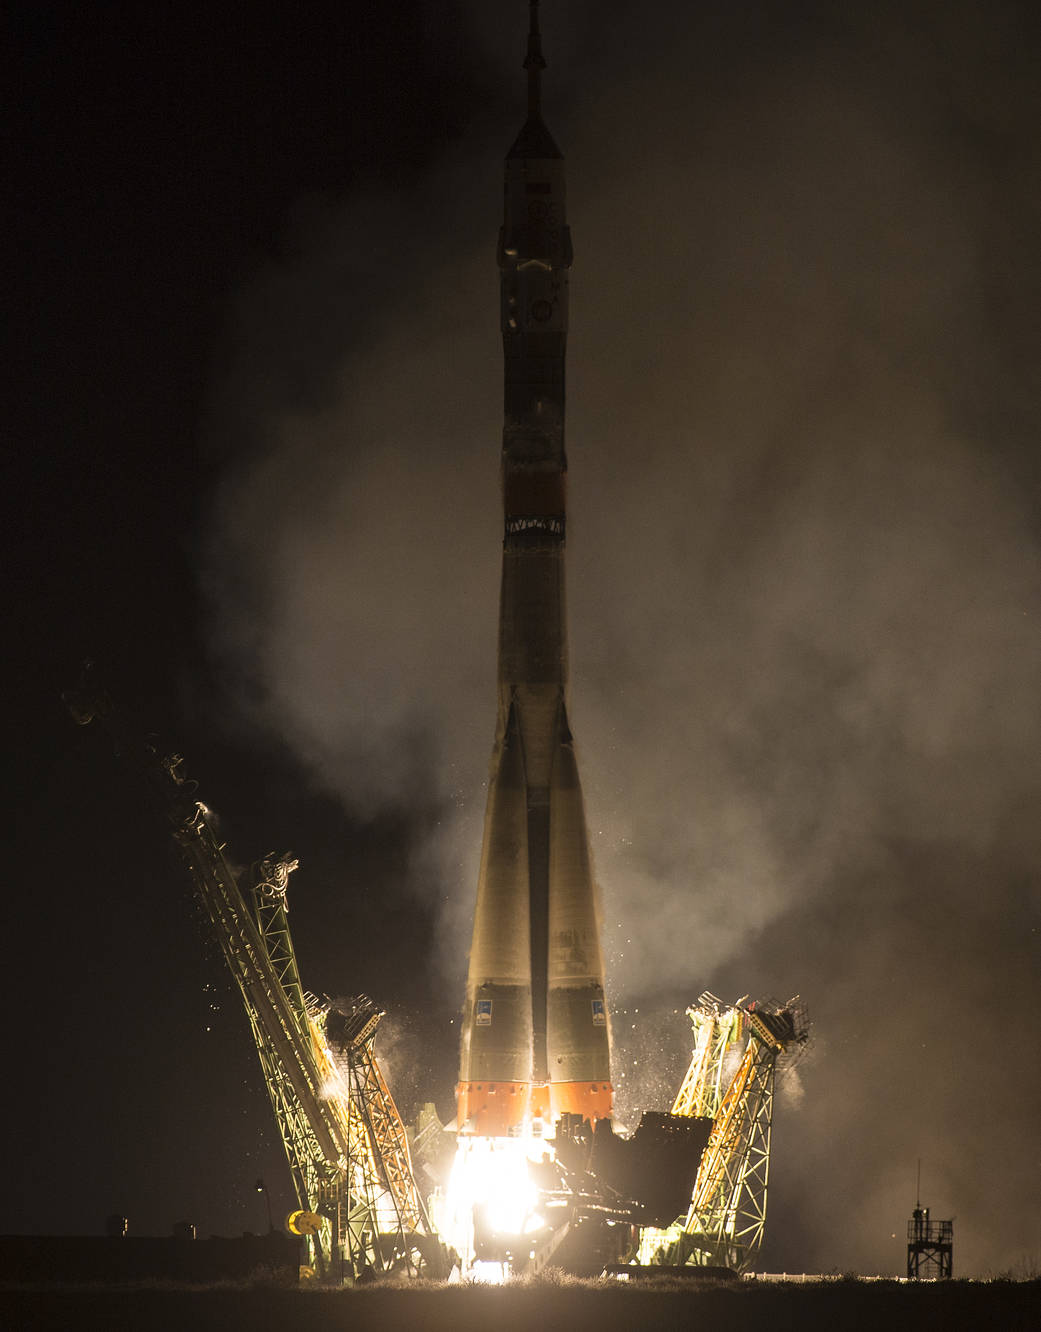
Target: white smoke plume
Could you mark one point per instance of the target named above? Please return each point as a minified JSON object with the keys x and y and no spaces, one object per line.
{"x":803,"y":555}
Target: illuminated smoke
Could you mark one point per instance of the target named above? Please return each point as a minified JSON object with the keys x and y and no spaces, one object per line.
{"x":803,"y":569}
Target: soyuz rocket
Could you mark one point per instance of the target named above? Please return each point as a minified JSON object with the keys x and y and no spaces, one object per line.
{"x":535,"y":1040}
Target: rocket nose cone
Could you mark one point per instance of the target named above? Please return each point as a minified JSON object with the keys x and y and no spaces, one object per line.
{"x":534,"y":141}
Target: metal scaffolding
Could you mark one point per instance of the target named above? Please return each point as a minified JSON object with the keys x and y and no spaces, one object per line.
{"x":359,"y":1209}
{"x":930,"y":1247}
{"x":725,"y":1222}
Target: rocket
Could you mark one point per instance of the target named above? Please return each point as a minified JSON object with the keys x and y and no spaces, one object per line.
{"x":535,"y":1040}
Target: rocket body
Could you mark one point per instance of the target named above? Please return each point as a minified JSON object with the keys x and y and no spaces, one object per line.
{"x":535,"y":1037}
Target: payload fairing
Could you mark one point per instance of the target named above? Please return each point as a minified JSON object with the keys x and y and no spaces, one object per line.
{"x":535,"y":1037}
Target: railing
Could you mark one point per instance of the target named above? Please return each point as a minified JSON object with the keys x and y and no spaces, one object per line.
{"x":920,"y":1230}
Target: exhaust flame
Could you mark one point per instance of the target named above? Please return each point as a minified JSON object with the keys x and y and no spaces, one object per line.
{"x":490,"y":1207}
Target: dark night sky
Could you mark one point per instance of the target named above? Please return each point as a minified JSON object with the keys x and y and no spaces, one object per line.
{"x":254,"y":386}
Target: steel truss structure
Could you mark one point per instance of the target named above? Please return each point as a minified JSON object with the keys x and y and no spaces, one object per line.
{"x":930,"y":1247}
{"x":726,"y":1220}
{"x":716,"y":1029}
{"x":374,"y":1221}
{"x":347,"y":1033}
{"x":346,"y":1146}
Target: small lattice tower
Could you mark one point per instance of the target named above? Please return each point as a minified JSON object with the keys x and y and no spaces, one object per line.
{"x":930,"y":1247}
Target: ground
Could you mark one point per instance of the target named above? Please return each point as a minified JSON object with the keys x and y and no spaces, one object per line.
{"x":847,"y":1304}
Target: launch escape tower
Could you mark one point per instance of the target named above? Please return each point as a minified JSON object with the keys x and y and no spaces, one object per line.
{"x":535,"y":1038}
{"x":359,"y":1208}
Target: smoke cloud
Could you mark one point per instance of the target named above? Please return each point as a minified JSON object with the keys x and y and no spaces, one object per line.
{"x":803,"y":555}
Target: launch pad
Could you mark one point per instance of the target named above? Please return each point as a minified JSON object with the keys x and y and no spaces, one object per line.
{"x":539,"y":1175}
{"x":686,"y":1189}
